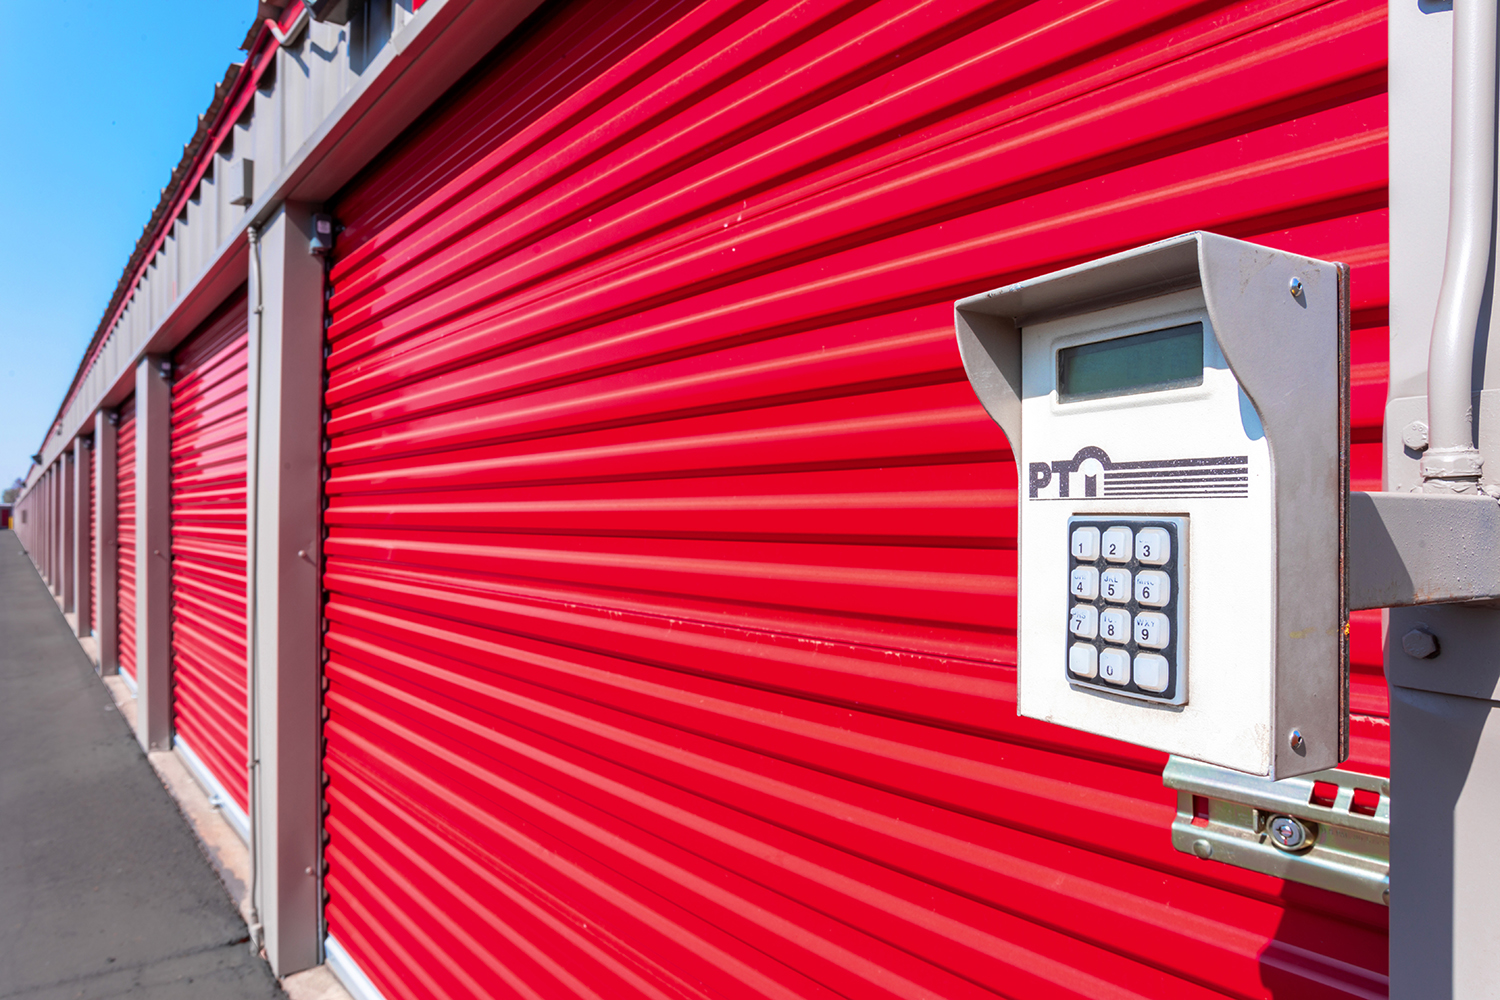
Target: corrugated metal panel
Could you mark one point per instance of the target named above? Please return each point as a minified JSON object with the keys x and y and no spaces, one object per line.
{"x":670,"y":558}
{"x":125,"y":535}
{"x":88,"y":555}
{"x":209,"y":695}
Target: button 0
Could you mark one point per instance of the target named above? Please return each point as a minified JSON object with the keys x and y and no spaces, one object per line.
{"x":1153,"y":630}
{"x":1153,"y":588}
{"x":1084,"y":583}
{"x":1083,"y":660}
{"x":1114,"y":666}
{"x":1114,"y":584}
{"x":1085,"y":543}
{"x":1117,"y":543}
{"x":1151,"y":672}
{"x":1153,"y":546}
{"x":1114,"y":625}
{"x":1083,"y":621}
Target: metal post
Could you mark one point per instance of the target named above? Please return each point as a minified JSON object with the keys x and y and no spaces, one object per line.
{"x":285,"y":483}
{"x":106,"y":541}
{"x":153,"y":553}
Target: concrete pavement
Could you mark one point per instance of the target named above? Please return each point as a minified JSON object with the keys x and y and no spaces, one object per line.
{"x":104,"y":891}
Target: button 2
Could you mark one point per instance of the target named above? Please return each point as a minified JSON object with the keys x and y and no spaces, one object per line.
{"x":1153,"y":588}
{"x":1085,"y":544}
{"x":1084,"y":621}
{"x":1117,"y":544}
{"x":1153,"y":546}
{"x":1115,"y":585}
{"x":1084,"y":583}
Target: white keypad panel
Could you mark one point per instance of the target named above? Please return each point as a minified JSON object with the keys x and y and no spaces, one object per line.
{"x":1125,"y":608}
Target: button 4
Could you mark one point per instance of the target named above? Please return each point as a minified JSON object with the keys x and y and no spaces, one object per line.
{"x":1114,"y":666}
{"x":1083,"y":621}
{"x":1083,"y":660}
{"x":1117,"y":543}
{"x":1085,"y":543}
{"x":1114,"y":584}
{"x":1153,"y":588}
{"x":1153,"y":546}
{"x":1084,"y":583}
{"x":1153,"y":630}
{"x":1114,"y":625}
{"x":1151,"y":672}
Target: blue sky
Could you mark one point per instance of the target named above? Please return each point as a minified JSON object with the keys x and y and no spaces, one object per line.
{"x":96,"y":99}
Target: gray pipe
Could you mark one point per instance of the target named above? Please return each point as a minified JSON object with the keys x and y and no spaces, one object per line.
{"x":1451,"y":462}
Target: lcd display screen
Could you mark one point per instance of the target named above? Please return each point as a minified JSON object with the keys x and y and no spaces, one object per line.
{"x":1144,"y":362}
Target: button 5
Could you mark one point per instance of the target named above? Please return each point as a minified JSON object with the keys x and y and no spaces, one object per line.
{"x":1083,"y":660}
{"x":1153,"y":588}
{"x":1117,"y":543}
{"x":1153,"y":630}
{"x":1084,"y":583}
{"x":1114,"y":625}
{"x":1114,"y":584}
{"x":1153,"y":546}
{"x":1114,"y":666}
{"x":1083,"y":621}
{"x":1085,"y":544}
{"x":1151,"y":672}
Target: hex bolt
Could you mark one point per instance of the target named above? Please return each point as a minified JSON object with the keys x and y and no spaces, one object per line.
{"x":1414,"y":435}
{"x":1295,"y":287}
{"x":1420,"y":644}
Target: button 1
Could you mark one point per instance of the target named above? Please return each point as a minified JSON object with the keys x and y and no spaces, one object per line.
{"x":1117,"y":543}
{"x":1153,"y":630}
{"x":1114,"y":625}
{"x":1151,"y":672}
{"x":1085,"y":543}
{"x":1083,"y":660}
{"x":1084,"y":583}
{"x":1153,"y":588}
{"x":1114,"y":584}
{"x":1153,"y":546}
{"x":1114,"y":666}
{"x":1083,"y":621}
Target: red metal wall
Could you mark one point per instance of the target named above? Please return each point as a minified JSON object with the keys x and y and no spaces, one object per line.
{"x":209,"y":695}
{"x":125,"y":535}
{"x":88,"y":543}
{"x":670,"y":559}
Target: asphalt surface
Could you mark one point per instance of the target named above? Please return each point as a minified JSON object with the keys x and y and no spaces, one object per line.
{"x":103,"y":889}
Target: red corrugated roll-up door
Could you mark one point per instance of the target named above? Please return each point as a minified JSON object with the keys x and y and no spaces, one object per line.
{"x":670,"y":559}
{"x":88,"y":556}
{"x":209,"y":696}
{"x":125,"y":536}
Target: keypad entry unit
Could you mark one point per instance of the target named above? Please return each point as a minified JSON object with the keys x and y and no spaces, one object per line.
{"x":1127,"y":606}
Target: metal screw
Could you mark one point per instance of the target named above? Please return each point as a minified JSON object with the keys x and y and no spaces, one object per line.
{"x":1203,"y":849}
{"x":1414,"y":435}
{"x":1296,"y":740}
{"x":1287,"y":833}
{"x":1295,"y":287}
{"x":1420,"y":644}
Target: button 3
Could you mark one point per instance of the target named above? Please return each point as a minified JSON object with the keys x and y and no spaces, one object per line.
{"x":1153,"y":546}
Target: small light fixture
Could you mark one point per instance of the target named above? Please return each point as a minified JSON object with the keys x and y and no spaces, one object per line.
{"x":323,"y":231}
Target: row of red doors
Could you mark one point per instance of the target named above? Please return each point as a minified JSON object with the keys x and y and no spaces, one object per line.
{"x":670,"y":559}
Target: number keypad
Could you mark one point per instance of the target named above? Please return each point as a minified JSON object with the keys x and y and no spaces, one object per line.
{"x":1126,"y":606}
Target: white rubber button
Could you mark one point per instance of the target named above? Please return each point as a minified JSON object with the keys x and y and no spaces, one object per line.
{"x":1114,"y":666}
{"x":1084,"y":583}
{"x":1153,"y":588}
{"x":1083,"y":660}
{"x":1153,"y":546}
{"x":1151,"y":672}
{"x":1083,"y":621}
{"x":1085,"y":543}
{"x":1114,"y":584}
{"x":1152,"y":630}
{"x":1117,"y":544}
{"x":1114,"y":625}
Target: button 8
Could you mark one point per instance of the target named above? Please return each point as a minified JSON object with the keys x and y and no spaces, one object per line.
{"x":1114,"y":625}
{"x":1117,"y":543}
